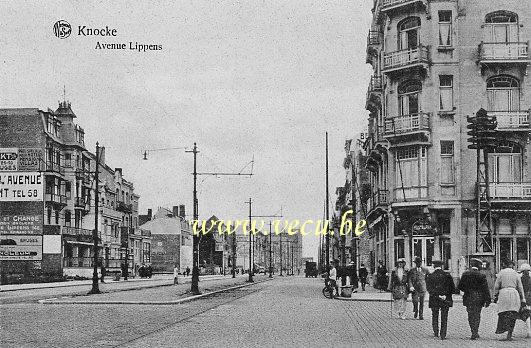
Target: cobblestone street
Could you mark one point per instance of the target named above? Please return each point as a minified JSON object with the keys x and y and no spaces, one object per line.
{"x":288,"y":311}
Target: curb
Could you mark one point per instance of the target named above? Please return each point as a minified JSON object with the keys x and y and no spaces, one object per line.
{"x":111,"y":282}
{"x":183,"y":300}
{"x":380,"y":300}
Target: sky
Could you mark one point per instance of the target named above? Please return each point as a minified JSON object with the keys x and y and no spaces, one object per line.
{"x":243,"y":79}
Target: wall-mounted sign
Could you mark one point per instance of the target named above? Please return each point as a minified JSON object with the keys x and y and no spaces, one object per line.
{"x":21,"y":186}
{"x":422,"y":227}
{"x":20,"y":247}
{"x":21,"y":224}
{"x":8,"y":159}
{"x":29,"y":159}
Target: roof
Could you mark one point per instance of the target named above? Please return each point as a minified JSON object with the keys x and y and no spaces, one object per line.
{"x":19,"y":112}
{"x":165,"y":225}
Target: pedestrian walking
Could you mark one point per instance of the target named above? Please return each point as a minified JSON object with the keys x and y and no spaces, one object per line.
{"x":476,"y":295}
{"x":417,"y":286}
{"x":363,"y":273}
{"x":526,"y":284}
{"x":352,"y":275}
{"x":509,"y":294}
{"x":398,"y":285}
{"x":381,"y":276}
{"x":332,"y":277}
{"x":440,"y":286}
{"x":187,"y":271}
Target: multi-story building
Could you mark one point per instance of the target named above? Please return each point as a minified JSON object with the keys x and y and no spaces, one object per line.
{"x":50,"y":145}
{"x":435,"y":62}
{"x":171,"y":239}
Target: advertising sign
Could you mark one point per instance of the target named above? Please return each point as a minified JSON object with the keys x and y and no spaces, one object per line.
{"x":21,"y":186}
{"x":20,"y":247}
{"x":29,"y":159}
{"x":21,"y":224}
{"x":8,"y":159}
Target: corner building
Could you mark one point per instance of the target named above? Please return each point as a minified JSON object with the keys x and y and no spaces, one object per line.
{"x":435,"y":63}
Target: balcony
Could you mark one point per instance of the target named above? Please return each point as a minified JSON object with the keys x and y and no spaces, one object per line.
{"x":55,"y":198}
{"x":406,"y":59}
{"x":82,"y":203}
{"x":407,"y":124}
{"x":54,"y":168}
{"x":378,"y":199}
{"x":374,"y":92}
{"x":392,"y":5}
{"x":504,"y":52}
{"x":374,"y":38}
{"x":512,"y":121}
{"x":510,"y":191}
{"x":76,"y":231}
{"x":124,"y":207}
{"x":87,"y":262}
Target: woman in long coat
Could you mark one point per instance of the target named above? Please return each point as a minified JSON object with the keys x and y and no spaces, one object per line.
{"x":509,"y":294}
{"x":526,"y":284}
{"x":398,"y":285}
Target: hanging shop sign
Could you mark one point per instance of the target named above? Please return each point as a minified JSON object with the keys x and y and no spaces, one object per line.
{"x":20,"y":247}
{"x":21,"y":186}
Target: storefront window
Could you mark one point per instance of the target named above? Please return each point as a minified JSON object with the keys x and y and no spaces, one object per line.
{"x":505,"y":249}
{"x":522,"y":250}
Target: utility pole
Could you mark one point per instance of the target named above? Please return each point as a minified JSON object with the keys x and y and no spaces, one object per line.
{"x":95,"y":286}
{"x":280,"y":243}
{"x":195,"y":245}
{"x":327,"y":236}
{"x":195,"y":239}
{"x":250,"y":202}
{"x":270,"y":251}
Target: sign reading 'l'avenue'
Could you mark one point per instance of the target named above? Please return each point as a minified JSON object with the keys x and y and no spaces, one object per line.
{"x":21,"y":186}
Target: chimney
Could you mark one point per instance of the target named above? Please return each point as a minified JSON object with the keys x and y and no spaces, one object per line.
{"x":149,"y":214}
{"x":175,"y":211}
{"x":182,"y":212}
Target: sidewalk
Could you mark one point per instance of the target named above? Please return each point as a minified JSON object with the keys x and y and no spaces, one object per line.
{"x":167,"y":295}
{"x":159,"y":278}
{"x":372,"y":295}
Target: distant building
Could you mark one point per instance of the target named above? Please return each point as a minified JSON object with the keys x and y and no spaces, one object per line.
{"x":171,"y":239}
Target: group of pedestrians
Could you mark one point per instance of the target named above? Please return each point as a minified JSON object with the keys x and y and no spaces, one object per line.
{"x":511,"y":291}
{"x":349,"y":272}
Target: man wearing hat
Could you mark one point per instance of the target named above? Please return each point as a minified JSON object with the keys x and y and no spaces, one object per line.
{"x":352,"y":274}
{"x":476,"y":294}
{"x":440,"y":286}
{"x":417,"y":286}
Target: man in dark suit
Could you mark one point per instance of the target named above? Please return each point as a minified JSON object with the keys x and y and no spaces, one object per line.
{"x":440,"y":286}
{"x":476,"y":295}
{"x":417,"y":286}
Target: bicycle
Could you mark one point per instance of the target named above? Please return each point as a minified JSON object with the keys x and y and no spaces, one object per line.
{"x":328,"y":290}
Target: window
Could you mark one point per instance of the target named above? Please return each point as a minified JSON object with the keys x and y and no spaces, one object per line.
{"x":501,"y":27}
{"x":447,"y":162}
{"x":445,"y":28}
{"x":411,"y":172}
{"x":68,"y":189}
{"x":408,"y":97}
{"x":503,"y":93}
{"x":446,"y":93}
{"x":68,"y":218}
{"x":505,"y":163}
{"x":408,"y":33}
